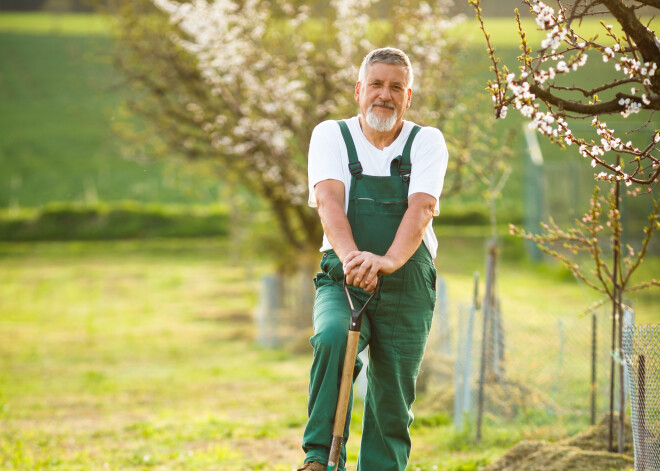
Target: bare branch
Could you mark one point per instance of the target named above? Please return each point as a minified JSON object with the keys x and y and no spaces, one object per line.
{"x":594,"y":91}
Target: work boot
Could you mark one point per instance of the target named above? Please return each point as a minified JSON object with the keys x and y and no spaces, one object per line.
{"x":313,"y":466}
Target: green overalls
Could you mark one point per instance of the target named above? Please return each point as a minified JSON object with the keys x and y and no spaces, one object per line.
{"x":395,"y":325}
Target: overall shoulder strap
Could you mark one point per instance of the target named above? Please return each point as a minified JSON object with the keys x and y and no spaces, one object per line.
{"x":354,"y":165}
{"x":405,"y":167}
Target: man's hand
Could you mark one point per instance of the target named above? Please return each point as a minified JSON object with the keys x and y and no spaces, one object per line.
{"x":362,"y":269}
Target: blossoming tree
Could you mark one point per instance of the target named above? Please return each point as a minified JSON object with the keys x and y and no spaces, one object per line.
{"x":242,"y":85}
{"x":543,"y":94}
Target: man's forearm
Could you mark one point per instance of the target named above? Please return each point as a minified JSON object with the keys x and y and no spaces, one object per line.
{"x":409,"y":235}
{"x":337,"y":228}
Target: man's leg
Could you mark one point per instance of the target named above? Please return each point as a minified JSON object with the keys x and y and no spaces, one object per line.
{"x":331,"y":320}
{"x":399,"y":330}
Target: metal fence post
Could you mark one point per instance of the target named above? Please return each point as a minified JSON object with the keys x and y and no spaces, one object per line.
{"x":594,"y":378}
{"x":442,"y":310}
{"x":534,"y":191}
{"x":459,"y":379}
{"x":267,"y":312}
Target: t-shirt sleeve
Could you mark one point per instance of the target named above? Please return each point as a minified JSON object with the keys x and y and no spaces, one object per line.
{"x":324,"y":160}
{"x":429,"y":159}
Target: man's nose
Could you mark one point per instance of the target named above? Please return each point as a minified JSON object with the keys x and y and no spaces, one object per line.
{"x":385,"y":94}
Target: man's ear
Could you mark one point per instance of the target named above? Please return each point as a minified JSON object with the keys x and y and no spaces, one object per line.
{"x":357,"y":91}
{"x":409,"y":98}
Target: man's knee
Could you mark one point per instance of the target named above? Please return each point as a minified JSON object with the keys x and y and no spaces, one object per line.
{"x":330,"y":338}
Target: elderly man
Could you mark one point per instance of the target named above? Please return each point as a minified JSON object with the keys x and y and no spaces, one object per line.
{"x":376,"y":180}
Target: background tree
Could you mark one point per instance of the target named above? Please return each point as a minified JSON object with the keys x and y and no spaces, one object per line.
{"x":540,"y":91}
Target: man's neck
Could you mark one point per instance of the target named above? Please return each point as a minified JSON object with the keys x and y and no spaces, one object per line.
{"x":380,"y":140}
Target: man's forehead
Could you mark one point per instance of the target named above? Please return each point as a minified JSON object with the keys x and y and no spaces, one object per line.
{"x":383,"y":70}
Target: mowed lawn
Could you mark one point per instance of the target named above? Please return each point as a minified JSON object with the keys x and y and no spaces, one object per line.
{"x":115,"y":358}
{"x":132,"y":356}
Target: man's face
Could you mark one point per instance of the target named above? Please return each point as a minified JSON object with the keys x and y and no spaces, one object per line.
{"x":384,"y":96}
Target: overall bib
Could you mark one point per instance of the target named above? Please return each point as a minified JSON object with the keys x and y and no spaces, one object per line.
{"x":395,"y":326}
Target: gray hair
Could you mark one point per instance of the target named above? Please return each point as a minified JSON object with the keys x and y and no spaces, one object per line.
{"x":386,"y":55}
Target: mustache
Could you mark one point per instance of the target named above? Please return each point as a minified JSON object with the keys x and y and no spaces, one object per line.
{"x":382,"y":103}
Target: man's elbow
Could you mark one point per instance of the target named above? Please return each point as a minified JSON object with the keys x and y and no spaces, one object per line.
{"x":426,"y":215}
{"x":428,"y":212}
{"x":424,"y":205}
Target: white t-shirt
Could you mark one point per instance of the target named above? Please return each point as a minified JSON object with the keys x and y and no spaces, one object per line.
{"x":328,"y":160}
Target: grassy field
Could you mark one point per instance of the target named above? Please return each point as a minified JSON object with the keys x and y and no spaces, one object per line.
{"x":136,"y":356}
{"x":60,"y":99}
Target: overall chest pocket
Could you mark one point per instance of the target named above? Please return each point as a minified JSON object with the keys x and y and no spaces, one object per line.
{"x":371,"y":207}
{"x":393,"y":208}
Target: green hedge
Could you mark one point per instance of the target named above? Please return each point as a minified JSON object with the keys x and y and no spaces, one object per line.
{"x":133,"y":220}
{"x":472,"y":214}
{"x":126,"y":220}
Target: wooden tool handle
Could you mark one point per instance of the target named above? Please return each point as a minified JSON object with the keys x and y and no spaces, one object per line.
{"x":344,"y":395}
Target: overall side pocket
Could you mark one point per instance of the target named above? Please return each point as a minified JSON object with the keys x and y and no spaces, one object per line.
{"x":332,"y":267}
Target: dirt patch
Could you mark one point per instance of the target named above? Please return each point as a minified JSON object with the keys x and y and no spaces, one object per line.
{"x":226,"y":316}
{"x":596,"y":438}
{"x":583,"y":452}
{"x":510,"y":399}
{"x":283,"y":450}
{"x":234,"y":334}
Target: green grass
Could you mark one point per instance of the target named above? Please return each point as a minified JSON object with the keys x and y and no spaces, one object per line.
{"x":141,"y":355}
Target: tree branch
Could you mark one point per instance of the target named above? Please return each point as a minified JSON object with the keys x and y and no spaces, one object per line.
{"x":606,"y":107}
{"x":593,"y":91}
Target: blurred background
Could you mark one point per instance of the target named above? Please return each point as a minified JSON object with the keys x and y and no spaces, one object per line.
{"x":156,"y":250}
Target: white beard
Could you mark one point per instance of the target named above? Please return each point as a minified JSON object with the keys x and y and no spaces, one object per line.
{"x":380,"y":124}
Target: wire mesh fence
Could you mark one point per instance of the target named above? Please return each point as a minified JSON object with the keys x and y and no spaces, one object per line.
{"x":547,"y":367}
{"x":641,"y":348}
{"x":543,"y":367}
